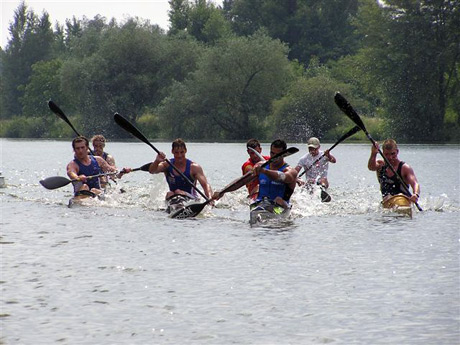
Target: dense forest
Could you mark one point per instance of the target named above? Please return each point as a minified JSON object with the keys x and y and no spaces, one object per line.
{"x":248,"y":68}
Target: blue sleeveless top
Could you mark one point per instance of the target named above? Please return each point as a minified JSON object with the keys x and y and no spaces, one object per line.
{"x":271,"y":189}
{"x":177,"y":181}
{"x":391,"y":185}
{"x":88,"y":170}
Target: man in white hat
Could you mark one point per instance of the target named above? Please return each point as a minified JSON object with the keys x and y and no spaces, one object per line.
{"x":315,"y":163}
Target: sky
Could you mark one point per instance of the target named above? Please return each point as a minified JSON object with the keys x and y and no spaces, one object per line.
{"x":59,"y":10}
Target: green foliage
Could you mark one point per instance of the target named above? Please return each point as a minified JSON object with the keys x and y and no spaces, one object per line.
{"x":223,"y":73}
{"x":308,"y":109}
{"x":44,"y":84}
{"x":200,"y":19}
{"x":310,"y":28}
{"x":231,"y":91}
{"x":34,"y":127}
{"x":149,"y":124}
{"x":31,"y":41}
{"x":122,"y":75}
{"x":412,"y":81}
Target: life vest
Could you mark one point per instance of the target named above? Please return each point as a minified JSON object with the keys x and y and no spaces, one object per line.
{"x":273,"y":188}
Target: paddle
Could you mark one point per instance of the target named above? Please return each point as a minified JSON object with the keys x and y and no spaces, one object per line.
{"x":126,"y":125}
{"x":343,"y":104}
{"x":145,"y":167}
{"x":55,"y":182}
{"x":194,"y":209}
{"x":55,"y":109}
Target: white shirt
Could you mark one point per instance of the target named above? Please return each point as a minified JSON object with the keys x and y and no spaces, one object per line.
{"x":318,"y":170}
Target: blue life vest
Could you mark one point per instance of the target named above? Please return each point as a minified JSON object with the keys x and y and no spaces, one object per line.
{"x":177,"y":181}
{"x":88,"y":170}
{"x":272,"y":189}
{"x":391,"y":185}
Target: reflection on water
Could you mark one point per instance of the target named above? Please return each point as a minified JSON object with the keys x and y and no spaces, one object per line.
{"x":123,"y":272}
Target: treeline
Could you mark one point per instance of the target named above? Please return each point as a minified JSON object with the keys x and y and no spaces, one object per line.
{"x":251,"y":68}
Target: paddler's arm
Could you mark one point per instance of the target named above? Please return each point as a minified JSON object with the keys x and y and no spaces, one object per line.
{"x":111,"y":160}
{"x":159,"y":164}
{"x":289,"y":175}
{"x":330,"y":157}
{"x":198,"y":174}
{"x":72,"y":172}
{"x":299,"y":181}
{"x":411,"y":180}
{"x":373,"y":164}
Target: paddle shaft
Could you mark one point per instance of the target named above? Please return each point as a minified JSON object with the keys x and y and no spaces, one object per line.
{"x":55,"y":182}
{"x":125,"y":124}
{"x":55,"y":109}
{"x":353,"y":115}
{"x":342,"y":138}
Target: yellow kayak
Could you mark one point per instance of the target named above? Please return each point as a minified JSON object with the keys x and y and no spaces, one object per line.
{"x":399,"y":203}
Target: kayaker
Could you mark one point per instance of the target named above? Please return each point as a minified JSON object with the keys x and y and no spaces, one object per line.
{"x":277,"y":181}
{"x":192,"y":170}
{"x":315,"y":170}
{"x":248,"y":166}
{"x":389,"y":183}
{"x":84,"y":165}
{"x":98,"y":142}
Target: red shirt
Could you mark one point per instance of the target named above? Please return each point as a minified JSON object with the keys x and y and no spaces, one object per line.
{"x":253,"y":186}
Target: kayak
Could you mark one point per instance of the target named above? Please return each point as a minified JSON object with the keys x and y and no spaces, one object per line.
{"x":82,"y":197}
{"x":176,"y":203}
{"x":399,"y":203}
{"x":267,"y":212}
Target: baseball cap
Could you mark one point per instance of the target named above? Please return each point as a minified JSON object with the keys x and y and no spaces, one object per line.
{"x":313,"y":142}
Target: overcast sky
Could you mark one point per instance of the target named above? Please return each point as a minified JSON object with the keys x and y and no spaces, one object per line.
{"x":59,"y":10}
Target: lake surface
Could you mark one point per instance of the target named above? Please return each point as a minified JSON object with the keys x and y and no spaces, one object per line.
{"x":122,"y":272}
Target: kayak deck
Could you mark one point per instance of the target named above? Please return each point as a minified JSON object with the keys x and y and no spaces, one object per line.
{"x":399,"y":204}
{"x":82,"y":197}
{"x":267,"y":212}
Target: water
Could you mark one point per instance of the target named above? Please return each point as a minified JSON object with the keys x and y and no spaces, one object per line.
{"x":121,"y":272}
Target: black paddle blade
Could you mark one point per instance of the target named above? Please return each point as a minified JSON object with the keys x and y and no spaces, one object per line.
{"x":129,"y":127}
{"x":55,"y":109}
{"x":289,"y":151}
{"x":55,"y":182}
{"x":189,"y":211}
{"x":145,"y":167}
{"x":325,"y":197}
{"x":343,"y":104}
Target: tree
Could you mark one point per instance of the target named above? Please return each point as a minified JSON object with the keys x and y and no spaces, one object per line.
{"x":231,"y":92}
{"x":44,"y":84}
{"x":201,"y":20}
{"x":411,"y":52}
{"x":31,"y":41}
{"x":308,"y":108}
{"x":310,"y":28}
